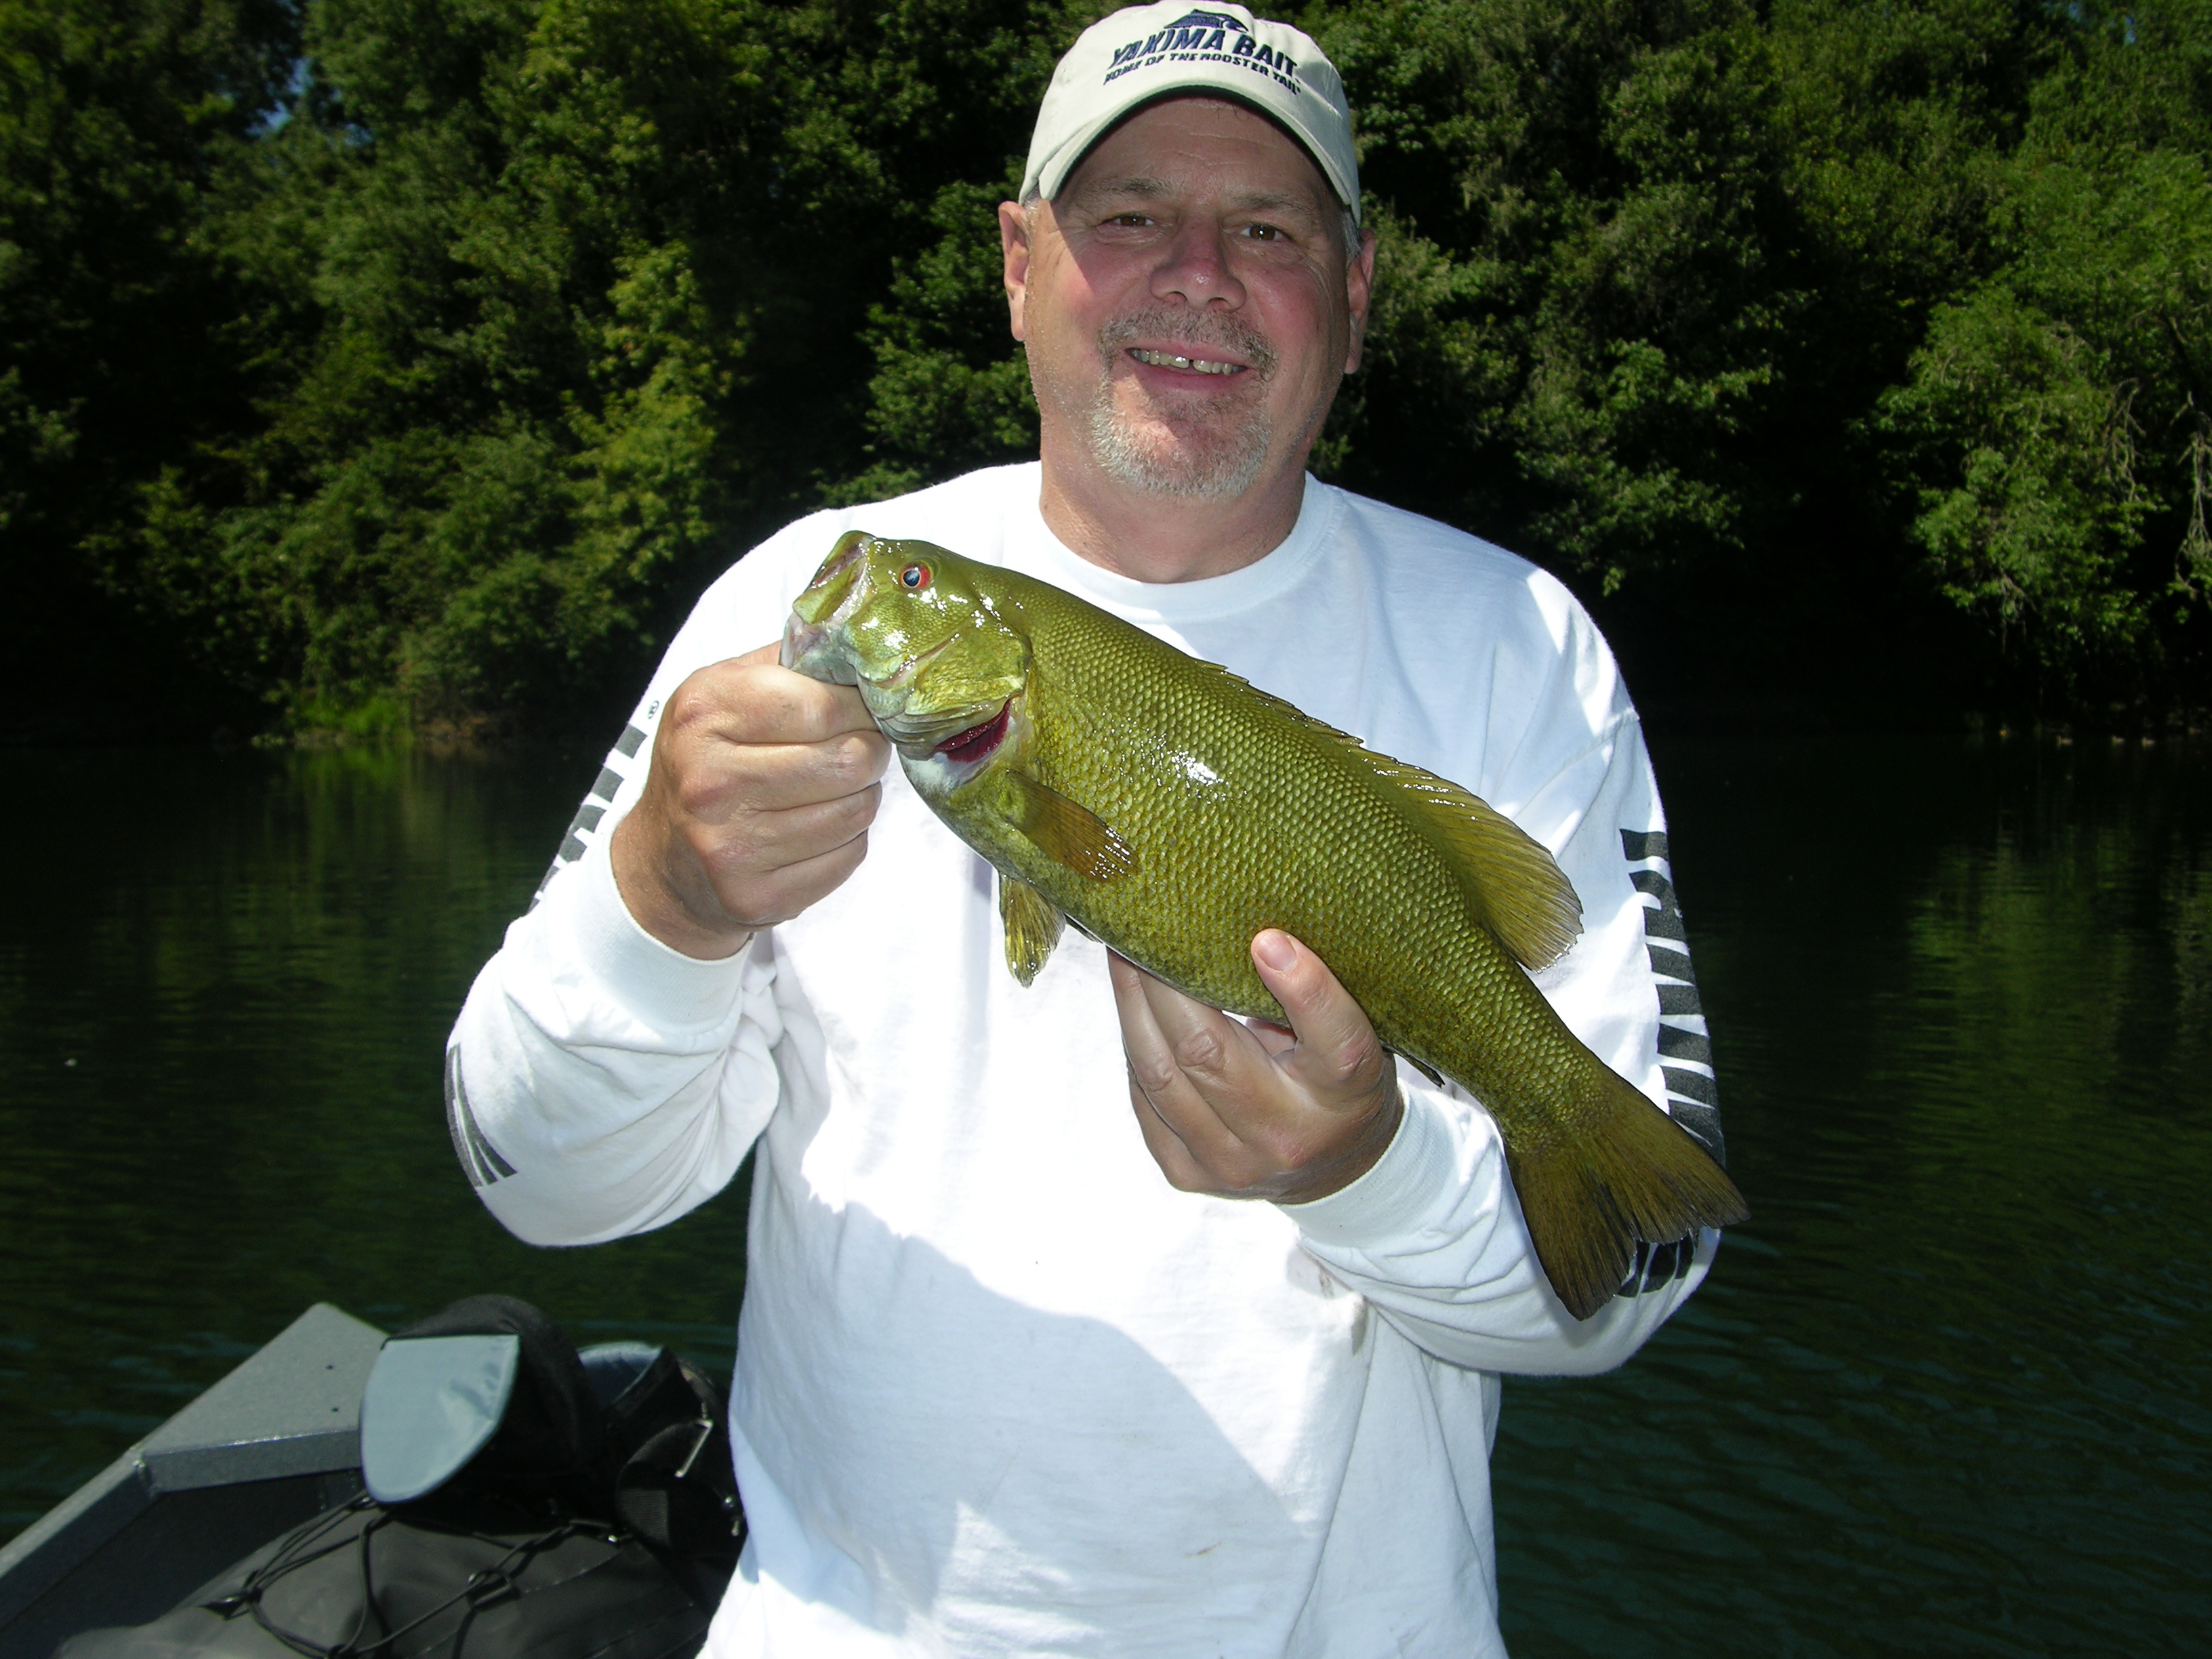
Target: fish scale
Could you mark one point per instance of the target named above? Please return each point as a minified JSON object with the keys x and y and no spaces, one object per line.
{"x":1172,"y":811}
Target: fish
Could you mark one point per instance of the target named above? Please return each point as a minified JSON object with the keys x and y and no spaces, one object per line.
{"x":1172,"y":811}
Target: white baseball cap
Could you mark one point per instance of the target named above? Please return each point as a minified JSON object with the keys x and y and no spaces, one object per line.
{"x":1145,"y":52}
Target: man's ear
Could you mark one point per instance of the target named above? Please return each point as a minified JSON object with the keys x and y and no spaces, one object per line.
{"x":1359,"y":290}
{"x":1014,"y":242}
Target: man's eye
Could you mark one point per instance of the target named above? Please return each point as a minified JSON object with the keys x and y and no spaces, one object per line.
{"x":1264,"y":233}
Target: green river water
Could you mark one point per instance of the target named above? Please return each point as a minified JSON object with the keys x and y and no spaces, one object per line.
{"x":1948,"y":1391}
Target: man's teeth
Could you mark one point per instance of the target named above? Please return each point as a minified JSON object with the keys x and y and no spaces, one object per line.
{"x":1169,"y":360}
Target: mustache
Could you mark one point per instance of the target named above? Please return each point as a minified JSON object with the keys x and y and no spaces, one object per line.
{"x":1232,"y":335}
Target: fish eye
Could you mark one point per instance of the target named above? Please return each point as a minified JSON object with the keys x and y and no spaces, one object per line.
{"x":914,"y":577}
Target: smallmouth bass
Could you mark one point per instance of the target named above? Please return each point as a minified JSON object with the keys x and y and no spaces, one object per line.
{"x":1172,"y":811}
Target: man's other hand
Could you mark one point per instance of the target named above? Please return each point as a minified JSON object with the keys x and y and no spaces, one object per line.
{"x":762,"y":787}
{"x":1248,"y":1109}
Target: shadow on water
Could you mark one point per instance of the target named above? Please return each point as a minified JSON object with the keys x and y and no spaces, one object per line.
{"x":1950,"y":1390}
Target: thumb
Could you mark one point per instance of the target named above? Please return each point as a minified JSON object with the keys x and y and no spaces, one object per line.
{"x":1337,"y":1049}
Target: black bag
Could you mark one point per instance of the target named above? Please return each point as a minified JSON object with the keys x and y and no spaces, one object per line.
{"x":587,"y":1511}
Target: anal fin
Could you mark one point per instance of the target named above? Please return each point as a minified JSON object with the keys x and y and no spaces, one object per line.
{"x":1032,"y":925}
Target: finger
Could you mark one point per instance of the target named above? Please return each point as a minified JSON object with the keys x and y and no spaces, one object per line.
{"x":1276,"y":1038}
{"x":777,"y":895}
{"x":1157,"y":1062}
{"x":768,"y":841}
{"x":1338,"y":1053}
{"x":1183,"y":1171}
{"x":722,"y":778}
{"x":1205,"y":1044}
{"x":803,"y":709}
{"x":744,"y":700}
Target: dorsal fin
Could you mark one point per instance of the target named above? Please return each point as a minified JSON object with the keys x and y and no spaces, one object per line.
{"x":1513,"y":884}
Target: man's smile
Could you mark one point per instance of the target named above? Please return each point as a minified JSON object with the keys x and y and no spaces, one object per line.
{"x":1195,"y":365}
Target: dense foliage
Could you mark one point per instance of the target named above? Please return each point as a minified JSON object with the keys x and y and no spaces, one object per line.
{"x":386,"y":361}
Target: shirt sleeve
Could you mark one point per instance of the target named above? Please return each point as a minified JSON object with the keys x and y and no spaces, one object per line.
{"x":598,"y":1083}
{"x":1433,"y":1234}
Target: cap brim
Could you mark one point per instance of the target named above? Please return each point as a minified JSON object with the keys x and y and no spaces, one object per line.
{"x":1050,"y":177}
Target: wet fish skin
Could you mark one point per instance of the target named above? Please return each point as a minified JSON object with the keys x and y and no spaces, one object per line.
{"x":1173,"y":810}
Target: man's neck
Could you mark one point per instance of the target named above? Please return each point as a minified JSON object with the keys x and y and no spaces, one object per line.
{"x":1164,"y":538}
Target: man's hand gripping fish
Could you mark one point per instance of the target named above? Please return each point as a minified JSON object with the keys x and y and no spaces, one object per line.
{"x":1173,"y":811}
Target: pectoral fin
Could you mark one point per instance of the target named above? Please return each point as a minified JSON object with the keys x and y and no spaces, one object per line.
{"x":1031,"y":923}
{"x":1067,"y":831}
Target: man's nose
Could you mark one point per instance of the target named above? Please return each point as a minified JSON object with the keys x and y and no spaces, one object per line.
{"x":1195,"y":267}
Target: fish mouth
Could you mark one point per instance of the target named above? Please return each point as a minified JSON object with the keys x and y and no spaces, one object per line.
{"x":826,"y":594}
{"x":978,"y":743}
{"x":824,"y":650}
{"x":814,"y":641}
{"x":818,"y":650}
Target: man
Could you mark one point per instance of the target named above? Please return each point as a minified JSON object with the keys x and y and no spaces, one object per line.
{"x":1016,"y":1375}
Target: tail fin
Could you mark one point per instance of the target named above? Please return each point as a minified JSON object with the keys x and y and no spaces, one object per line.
{"x":1625,"y":1171}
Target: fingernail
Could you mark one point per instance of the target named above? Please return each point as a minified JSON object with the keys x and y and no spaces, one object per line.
{"x":1274,"y":950}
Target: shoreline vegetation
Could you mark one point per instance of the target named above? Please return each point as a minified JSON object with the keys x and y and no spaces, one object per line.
{"x":375,"y":372}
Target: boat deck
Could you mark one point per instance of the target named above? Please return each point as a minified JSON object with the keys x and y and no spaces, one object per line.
{"x":277,"y":1441}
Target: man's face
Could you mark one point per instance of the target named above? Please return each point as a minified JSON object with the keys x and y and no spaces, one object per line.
{"x":1188,"y":301}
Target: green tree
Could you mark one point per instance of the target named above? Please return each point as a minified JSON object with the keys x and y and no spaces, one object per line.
{"x":573,"y":297}
{"x":118,"y":121}
{"x":2056,"y":430}
{"x":1581,"y":302}
{"x":401,"y":359}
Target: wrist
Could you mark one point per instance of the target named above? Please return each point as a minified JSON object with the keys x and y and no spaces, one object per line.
{"x":667,"y":893}
{"x":1334,"y":1174}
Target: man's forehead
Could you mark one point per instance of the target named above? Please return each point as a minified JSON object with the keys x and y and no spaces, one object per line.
{"x":1148,"y":155}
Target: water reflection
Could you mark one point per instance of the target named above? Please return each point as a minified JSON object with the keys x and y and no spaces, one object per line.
{"x":224,"y":990}
{"x":1946,"y":1392}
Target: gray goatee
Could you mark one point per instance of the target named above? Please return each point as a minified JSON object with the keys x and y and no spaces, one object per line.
{"x":1214,"y":456}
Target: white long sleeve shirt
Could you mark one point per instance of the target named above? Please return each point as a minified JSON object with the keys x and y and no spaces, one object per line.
{"x":999,"y":1388}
